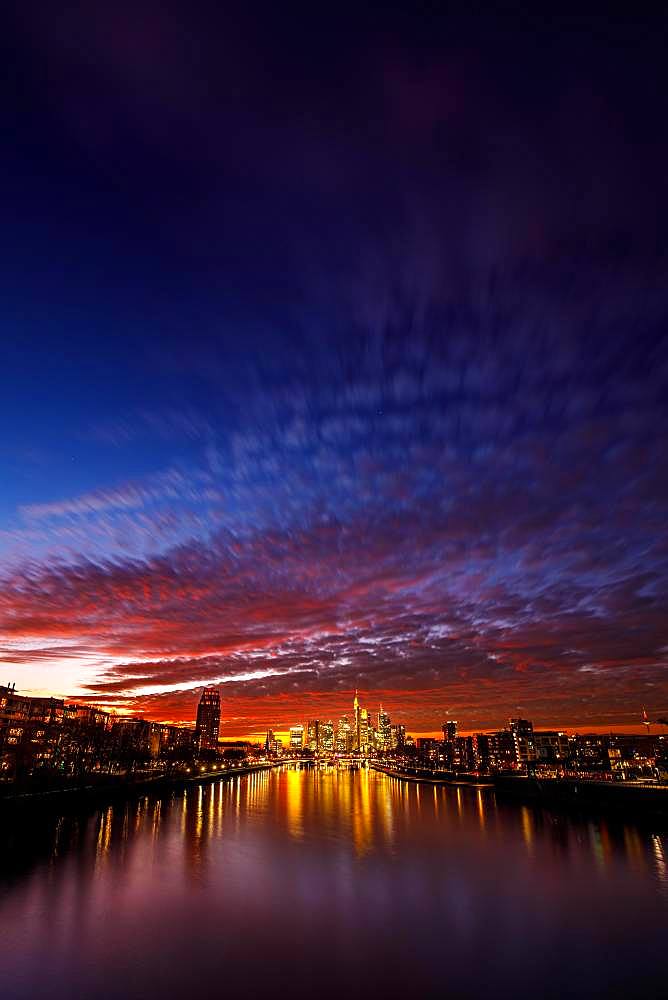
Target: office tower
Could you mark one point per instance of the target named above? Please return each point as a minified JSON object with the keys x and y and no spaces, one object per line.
{"x":313,"y":735}
{"x":296,"y":737}
{"x":327,"y":737}
{"x":364,"y":731}
{"x":384,"y":733}
{"x":207,"y":727}
{"x":356,"y":722}
{"x":344,"y":736}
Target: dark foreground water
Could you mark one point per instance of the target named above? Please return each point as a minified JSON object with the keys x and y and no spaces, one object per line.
{"x":292,"y":884}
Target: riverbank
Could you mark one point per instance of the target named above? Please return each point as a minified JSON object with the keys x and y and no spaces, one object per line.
{"x":623,"y":797}
{"x":435,"y":777}
{"x":628,"y":797}
{"x":114,"y":789}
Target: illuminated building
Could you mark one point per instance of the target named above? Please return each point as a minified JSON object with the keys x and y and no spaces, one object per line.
{"x":397,"y":737}
{"x":207,"y":727}
{"x":131,"y":736}
{"x":450,"y":744}
{"x":525,"y":747}
{"x":497,"y":749}
{"x":428,"y":749}
{"x":551,"y":746}
{"x":86,"y":715}
{"x":356,"y":723}
{"x":345,"y":737}
{"x":296,"y":737}
{"x":272,"y":744}
{"x":66,"y":740}
{"x":450,"y":731}
{"x":327,"y":737}
{"x":29,"y":730}
{"x":170,"y":740}
{"x":313,"y":735}
{"x":176,"y":739}
{"x":384,"y":733}
{"x":364,"y":731}
{"x":465,"y":754}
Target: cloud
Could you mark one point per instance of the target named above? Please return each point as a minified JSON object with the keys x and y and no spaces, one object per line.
{"x":164,"y":425}
{"x":486,"y":529}
{"x":426,"y":455}
{"x":481,"y":599}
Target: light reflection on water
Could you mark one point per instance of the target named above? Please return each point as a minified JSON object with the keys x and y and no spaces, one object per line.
{"x":318,"y":880}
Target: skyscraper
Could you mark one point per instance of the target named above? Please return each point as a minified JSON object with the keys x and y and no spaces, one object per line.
{"x":384,"y":730}
{"x":207,"y":728}
{"x":364,"y":730}
{"x":313,"y":735}
{"x":327,"y":737}
{"x":296,"y":737}
{"x":344,"y":736}
{"x":356,"y":723}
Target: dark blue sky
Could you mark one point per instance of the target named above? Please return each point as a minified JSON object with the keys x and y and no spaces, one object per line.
{"x":334,"y":355}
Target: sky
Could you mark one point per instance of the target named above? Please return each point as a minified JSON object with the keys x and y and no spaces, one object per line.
{"x":334,"y":356}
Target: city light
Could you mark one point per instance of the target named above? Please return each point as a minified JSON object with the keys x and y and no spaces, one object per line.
{"x":47,"y":739}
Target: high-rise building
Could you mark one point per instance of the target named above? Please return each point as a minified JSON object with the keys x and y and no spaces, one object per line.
{"x":450,"y":744}
{"x":384,"y":732}
{"x":313,"y":735}
{"x":450,"y":731}
{"x":207,"y":728}
{"x":364,"y":731}
{"x":296,"y":737}
{"x":327,"y":737}
{"x":525,"y":746}
{"x":356,"y":722}
{"x":344,"y":736}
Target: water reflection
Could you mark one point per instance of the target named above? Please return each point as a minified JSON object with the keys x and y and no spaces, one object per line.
{"x":356,"y":864}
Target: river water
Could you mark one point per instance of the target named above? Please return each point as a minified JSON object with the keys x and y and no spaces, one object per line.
{"x":304,"y":883}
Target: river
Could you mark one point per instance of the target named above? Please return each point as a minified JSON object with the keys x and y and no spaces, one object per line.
{"x":298,"y":883}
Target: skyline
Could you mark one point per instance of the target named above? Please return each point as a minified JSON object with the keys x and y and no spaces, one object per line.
{"x":335,"y":359}
{"x":346,"y":714}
